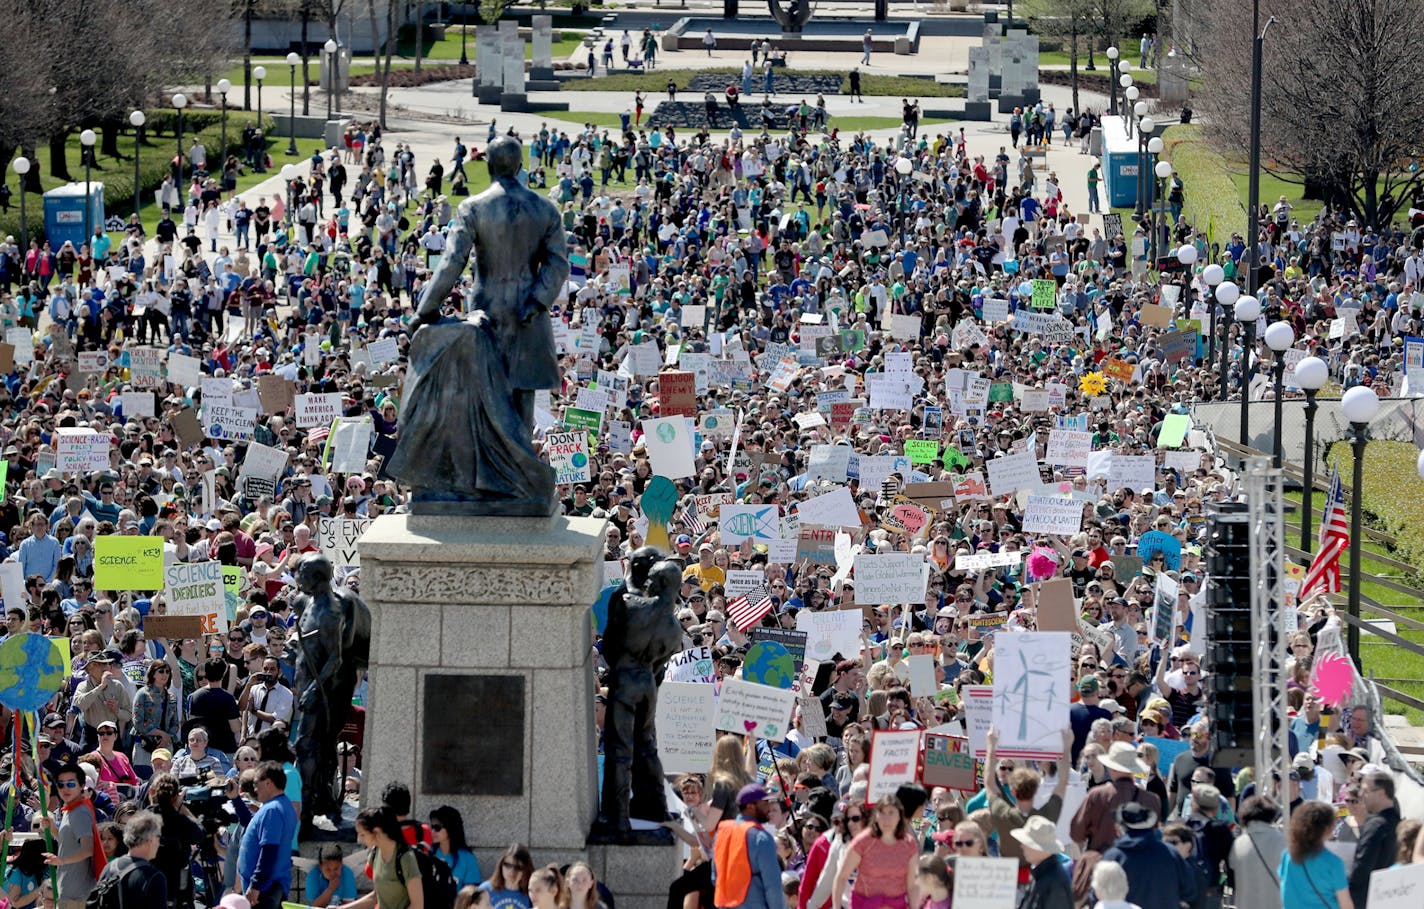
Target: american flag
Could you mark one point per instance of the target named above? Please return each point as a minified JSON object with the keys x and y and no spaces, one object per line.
{"x":1323,"y":576}
{"x":750,"y":608}
{"x":692,"y":522}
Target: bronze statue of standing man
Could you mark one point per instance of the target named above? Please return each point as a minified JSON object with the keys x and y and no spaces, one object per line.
{"x":464,"y":442}
{"x":333,"y":644}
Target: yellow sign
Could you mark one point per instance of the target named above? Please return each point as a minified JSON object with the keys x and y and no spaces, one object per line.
{"x":128,"y":563}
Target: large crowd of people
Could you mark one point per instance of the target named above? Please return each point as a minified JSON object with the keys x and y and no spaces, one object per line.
{"x":826,"y":290}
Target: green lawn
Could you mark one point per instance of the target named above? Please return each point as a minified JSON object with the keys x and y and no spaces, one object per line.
{"x":655,"y":83}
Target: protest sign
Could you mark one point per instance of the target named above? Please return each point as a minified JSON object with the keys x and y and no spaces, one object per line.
{"x":383,"y":350}
{"x":1121,"y":370}
{"x":317,"y":410}
{"x":793,"y":641}
{"x":684,"y":727}
{"x":828,"y":462}
{"x":337,"y":538}
{"x":568,"y":455}
{"x":978,"y":704}
{"x":1056,"y":611}
{"x":173,"y":627}
{"x":923,"y":673}
{"x":275,"y":394}
{"x":196,"y":589}
{"x":677,"y":393}
{"x":986,"y":883}
{"x":1010,"y":473}
{"x":831,"y":509}
{"x":12,"y":584}
{"x":970,"y":487}
{"x":906,"y":517}
{"x":1052,"y":515}
{"x":230,"y":424}
{"x":889,"y":578}
{"x":146,"y":367}
{"x":833,"y":633}
{"x":693,"y":316}
{"x":947,"y":763}
{"x":1031,"y":690}
{"x":1068,"y":448}
{"x":1154,"y":316}
{"x":894,"y":760}
{"x":691,"y":665}
{"x":1164,"y":606}
{"x":81,"y":450}
{"x":590,"y":421}
{"x":1135,"y":472}
{"x":350,"y":443}
{"x":128,"y":563}
{"x":136,"y":404}
{"x":754,"y":710}
{"x":740,"y":582}
{"x":816,"y":544}
{"x":987,"y":560}
{"x":813,"y":717}
{"x":1045,"y":293}
{"x":1174,"y":430}
{"x":758,"y":523}
{"x":670,"y":447}
{"x":184,"y":370}
{"x":1167,"y":751}
{"x":922,"y":451}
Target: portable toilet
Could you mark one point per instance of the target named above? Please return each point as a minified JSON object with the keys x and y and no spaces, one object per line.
{"x":64,"y":213}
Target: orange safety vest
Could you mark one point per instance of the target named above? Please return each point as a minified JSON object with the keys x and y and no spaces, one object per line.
{"x":733,"y":863}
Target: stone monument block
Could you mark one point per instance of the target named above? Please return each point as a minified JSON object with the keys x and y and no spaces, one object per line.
{"x":489,"y":64}
{"x":489,"y":618}
{"x":976,"y":104}
{"x":543,"y":39}
{"x":513,"y":97}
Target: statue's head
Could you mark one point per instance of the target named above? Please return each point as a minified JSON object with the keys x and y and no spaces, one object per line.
{"x":664,"y":576}
{"x":640,"y":563}
{"x":314,"y":572}
{"x":505,"y":156}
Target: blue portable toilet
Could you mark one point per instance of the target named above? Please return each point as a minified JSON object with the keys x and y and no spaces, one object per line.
{"x":1120,"y":163}
{"x":64,"y":213}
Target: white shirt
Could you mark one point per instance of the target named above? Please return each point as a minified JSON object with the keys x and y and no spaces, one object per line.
{"x":275,"y":699}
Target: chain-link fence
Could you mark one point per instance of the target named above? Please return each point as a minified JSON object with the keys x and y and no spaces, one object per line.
{"x":1399,"y":420}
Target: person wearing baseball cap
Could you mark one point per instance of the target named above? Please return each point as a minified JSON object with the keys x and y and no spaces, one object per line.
{"x":748,"y":872}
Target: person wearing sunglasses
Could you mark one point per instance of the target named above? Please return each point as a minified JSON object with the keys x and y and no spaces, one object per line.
{"x":79,"y":858}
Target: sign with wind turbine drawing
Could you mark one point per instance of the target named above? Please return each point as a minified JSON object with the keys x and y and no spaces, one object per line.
{"x":1032,"y":687}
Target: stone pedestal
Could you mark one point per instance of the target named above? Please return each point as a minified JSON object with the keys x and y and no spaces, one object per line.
{"x":513,"y":97}
{"x":541,"y":68}
{"x":481,"y":686}
{"x":489,"y":64}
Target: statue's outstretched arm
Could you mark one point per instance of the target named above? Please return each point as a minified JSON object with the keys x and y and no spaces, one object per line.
{"x":452,"y":264}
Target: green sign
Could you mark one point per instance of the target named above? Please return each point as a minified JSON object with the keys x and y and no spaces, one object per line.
{"x":577,"y":418}
{"x":921,"y":451}
{"x":852,"y":340}
{"x":954,"y":459}
{"x":1001,"y":391}
{"x":1045,"y":293}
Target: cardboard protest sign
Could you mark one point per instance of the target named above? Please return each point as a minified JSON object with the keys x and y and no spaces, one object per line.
{"x":684,"y":726}
{"x":906,"y":517}
{"x":196,"y":589}
{"x":275,"y":393}
{"x":186,"y":426}
{"x":1154,"y":316}
{"x":128,"y":563}
{"x":754,"y":710}
{"x":894,"y":760}
{"x":948,"y":763}
{"x":173,"y":627}
{"x":1031,"y":691}
{"x":889,"y":578}
{"x":1056,"y":611}
{"x":677,"y":393}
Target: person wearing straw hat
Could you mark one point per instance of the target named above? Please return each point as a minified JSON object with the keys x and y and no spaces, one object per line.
{"x":1093,"y":824}
{"x":1049,"y":886}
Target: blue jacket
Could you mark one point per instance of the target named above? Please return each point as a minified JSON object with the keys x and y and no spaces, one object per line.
{"x":1157,"y":876}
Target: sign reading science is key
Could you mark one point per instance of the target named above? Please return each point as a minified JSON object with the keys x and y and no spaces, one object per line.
{"x":128,"y":563}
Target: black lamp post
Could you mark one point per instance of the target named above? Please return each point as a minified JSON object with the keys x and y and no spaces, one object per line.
{"x":224,"y":86}
{"x":86,"y":150}
{"x":1112,"y":80}
{"x":332,"y":75}
{"x":292,"y":60}
{"x":21,"y":166}
{"x":180,"y":101}
{"x":1311,"y":375}
{"x":137,"y":119}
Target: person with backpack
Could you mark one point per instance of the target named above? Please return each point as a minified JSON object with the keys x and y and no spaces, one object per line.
{"x":396,"y":797}
{"x":132,"y":879}
{"x":26,"y":875}
{"x":391,"y":863}
{"x":448,"y":828}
